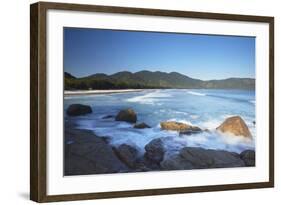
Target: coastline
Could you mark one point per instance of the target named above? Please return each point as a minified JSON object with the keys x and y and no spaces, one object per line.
{"x":99,"y":92}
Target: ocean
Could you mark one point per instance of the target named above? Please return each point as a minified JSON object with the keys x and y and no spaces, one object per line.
{"x":205,"y":108}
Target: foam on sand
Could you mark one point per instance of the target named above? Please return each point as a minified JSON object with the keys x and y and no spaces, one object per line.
{"x":196,"y":93}
{"x":149,"y":98}
{"x":95,"y":92}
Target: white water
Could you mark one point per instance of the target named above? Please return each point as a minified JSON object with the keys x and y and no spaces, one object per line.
{"x":204,"y":108}
{"x":196,"y":93}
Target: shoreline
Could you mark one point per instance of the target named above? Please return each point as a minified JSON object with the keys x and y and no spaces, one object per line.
{"x":99,"y":92}
{"x":94,"y":154}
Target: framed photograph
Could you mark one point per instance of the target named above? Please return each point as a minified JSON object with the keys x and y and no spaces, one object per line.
{"x":134,"y":102}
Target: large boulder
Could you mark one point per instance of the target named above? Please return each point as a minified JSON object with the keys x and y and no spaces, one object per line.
{"x":127,"y":115}
{"x":86,"y":153}
{"x":78,"y":109}
{"x":200,"y":158}
{"x":180,"y":127}
{"x":141,"y":126}
{"x":155,"y":150}
{"x":127,"y":154}
{"x":235,"y":125}
{"x":249,"y":157}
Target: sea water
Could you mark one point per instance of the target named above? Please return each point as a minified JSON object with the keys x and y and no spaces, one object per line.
{"x":205,"y":108}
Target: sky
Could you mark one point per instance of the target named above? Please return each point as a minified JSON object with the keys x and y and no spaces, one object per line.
{"x":88,"y":51}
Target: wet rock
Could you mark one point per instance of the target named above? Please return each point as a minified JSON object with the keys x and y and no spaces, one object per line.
{"x":249,"y":157}
{"x":89,"y":154}
{"x":78,"y":109}
{"x":180,"y":127}
{"x":155,"y":150}
{"x":141,"y":126}
{"x":108,"y":117}
{"x":191,"y":130}
{"x":145,"y":164}
{"x":208,"y":158}
{"x":106,"y":139}
{"x":176,"y":162}
{"x":199,"y":158}
{"x":127,"y":115}
{"x":127,"y":154}
{"x":236,"y":126}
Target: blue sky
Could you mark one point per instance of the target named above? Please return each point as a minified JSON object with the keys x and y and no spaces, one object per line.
{"x":90,"y":51}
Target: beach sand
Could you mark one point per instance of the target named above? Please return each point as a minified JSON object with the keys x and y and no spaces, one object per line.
{"x":97,"y":92}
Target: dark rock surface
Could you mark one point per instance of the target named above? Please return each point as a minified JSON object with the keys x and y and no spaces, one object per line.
{"x":86,"y":153}
{"x":78,"y":109}
{"x":249,"y":157}
{"x":199,"y":158}
{"x":155,"y":150}
{"x":192,"y":130}
{"x":127,"y":154}
{"x":141,"y":126}
{"x":127,"y":115}
{"x":108,"y":117}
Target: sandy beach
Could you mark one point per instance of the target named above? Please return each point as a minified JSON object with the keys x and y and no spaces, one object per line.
{"x":97,"y":92}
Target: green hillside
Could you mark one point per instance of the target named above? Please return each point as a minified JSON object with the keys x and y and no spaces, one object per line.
{"x":147,"y":79}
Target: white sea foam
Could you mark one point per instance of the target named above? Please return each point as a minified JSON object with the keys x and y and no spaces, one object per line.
{"x":194,"y":117}
{"x":210,"y":124}
{"x":122,"y":132}
{"x":196,"y":93}
{"x":149,"y":98}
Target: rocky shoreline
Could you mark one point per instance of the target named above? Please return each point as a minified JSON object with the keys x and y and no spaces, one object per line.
{"x":86,"y":153}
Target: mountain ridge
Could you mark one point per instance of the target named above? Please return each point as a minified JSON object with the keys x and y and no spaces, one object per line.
{"x":152,"y":79}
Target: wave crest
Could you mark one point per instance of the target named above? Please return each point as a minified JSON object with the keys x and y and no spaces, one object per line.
{"x":196,"y":93}
{"x":149,"y":98}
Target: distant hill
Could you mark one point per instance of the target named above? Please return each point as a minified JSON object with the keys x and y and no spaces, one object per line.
{"x":68,"y":75}
{"x":147,"y":79}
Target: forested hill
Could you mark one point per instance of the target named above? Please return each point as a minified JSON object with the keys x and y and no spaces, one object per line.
{"x":147,"y":79}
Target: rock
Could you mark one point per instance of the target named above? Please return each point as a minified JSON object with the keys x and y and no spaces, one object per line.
{"x":106,"y":139}
{"x":127,"y":115}
{"x":191,"y":130}
{"x":141,"y":126}
{"x":208,"y":158}
{"x":127,"y":154}
{"x":236,"y":126}
{"x":155,"y":150}
{"x":78,"y":165}
{"x":89,"y":154}
{"x":249,"y":157}
{"x":199,"y":158}
{"x":176,"y":162}
{"x":78,"y":109}
{"x":176,"y":126}
{"x":146,"y":164}
{"x":180,"y":127}
{"x":108,"y":117}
